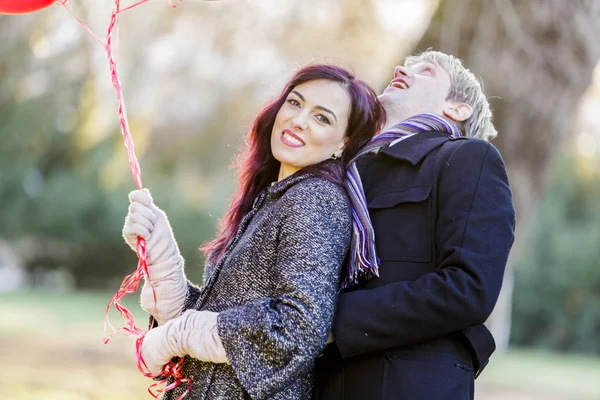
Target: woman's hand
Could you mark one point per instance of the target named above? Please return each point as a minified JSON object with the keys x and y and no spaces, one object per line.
{"x":195,"y":333}
{"x":163,"y":295}
{"x":155,"y":353}
{"x":151,"y":224}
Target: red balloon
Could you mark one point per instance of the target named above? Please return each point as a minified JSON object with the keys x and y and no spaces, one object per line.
{"x":22,"y":6}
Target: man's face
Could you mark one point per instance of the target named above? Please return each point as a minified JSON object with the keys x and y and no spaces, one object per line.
{"x":420,"y":88}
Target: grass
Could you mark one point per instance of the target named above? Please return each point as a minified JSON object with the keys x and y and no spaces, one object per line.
{"x":26,"y":311}
{"x":51,"y":349}
{"x":554,"y":375}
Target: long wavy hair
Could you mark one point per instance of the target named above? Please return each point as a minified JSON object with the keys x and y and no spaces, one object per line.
{"x":257,"y":167}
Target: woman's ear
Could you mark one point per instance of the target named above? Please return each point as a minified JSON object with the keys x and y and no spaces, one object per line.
{"x":340,"y":150}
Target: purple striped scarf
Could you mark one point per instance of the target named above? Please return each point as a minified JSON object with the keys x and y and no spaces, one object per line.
{"x":363,"y":263}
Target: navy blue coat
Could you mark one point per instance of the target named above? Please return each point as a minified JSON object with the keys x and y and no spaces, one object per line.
{"x":444,"y":223}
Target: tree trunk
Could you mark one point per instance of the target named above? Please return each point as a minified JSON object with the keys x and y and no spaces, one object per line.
{"x":536,"y":59}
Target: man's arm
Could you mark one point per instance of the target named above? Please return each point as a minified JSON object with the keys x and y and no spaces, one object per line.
{"x":474,"y":234}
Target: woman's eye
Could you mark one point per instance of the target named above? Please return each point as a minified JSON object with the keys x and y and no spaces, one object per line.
{"x":428,"y":71}
{"x":294,"y":102}
{"x":323,"y":119}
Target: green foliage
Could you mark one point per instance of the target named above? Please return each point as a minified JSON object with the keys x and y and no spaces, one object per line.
{"x":557,"y":281}
{"x":50,"y":192}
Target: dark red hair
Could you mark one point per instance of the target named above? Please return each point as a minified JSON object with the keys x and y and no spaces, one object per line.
{"x":258,"y":168}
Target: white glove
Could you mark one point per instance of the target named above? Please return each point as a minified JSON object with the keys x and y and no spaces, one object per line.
{"x":155,"y":354}
{"x":195,"y":333}
{"x":165,"y":264}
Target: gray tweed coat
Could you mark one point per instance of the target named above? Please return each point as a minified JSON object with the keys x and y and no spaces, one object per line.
{"x":275,"y":290}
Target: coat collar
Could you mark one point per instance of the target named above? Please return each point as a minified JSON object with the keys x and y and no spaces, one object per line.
{"x":417,"y":146}
{"x":279,"y":188}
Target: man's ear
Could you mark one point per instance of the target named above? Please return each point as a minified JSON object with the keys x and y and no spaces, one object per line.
{"x":458,"y":112}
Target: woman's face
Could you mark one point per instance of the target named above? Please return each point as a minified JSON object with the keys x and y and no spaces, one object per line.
{"x":310,"y":126}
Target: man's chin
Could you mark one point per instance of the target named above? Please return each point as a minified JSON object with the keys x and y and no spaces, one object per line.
{"x":393,"y":97}
{"x":387,"y":92}
{"x":387,"y":98}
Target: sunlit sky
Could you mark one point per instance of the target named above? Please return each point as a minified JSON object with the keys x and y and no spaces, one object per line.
{"x":588,"y":135}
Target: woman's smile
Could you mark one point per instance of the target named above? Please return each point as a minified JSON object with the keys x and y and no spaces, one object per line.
{"x":291,"y":140}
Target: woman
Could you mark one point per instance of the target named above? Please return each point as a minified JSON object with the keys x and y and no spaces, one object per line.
{"x":266,"y":307}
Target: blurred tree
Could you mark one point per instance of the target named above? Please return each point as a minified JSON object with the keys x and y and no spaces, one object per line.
{"x":536,"y":58}
{"x":557,"y":285}
{"x":57,"y":211}
{"x":53,"y":208}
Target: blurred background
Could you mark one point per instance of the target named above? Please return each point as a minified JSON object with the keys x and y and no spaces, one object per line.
{"x":193,"y":79}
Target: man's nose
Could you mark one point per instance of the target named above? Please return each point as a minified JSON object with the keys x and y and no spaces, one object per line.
{"x":401,"y":71}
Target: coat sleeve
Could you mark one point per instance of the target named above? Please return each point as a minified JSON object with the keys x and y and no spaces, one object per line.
{"x":193,"y":291}
{"x":474,"y":233}
{"x":271,"y":342}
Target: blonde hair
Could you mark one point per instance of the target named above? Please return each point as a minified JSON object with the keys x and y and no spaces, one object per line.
{"x":465,"y":87}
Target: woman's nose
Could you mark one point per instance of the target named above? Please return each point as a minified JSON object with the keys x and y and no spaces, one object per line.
{"x":300,"y":121}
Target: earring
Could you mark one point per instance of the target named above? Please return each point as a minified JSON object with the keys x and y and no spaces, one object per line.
{"x":337,"y":155}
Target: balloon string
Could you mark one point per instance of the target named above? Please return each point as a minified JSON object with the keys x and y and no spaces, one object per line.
{"x":131,"y":282}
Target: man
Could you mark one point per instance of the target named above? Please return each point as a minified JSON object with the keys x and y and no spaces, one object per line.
{"x":443,"y":217}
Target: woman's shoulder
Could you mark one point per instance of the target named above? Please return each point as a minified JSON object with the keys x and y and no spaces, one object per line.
{"x":314,"y":201}
{"x":316,"y":196}
{"x":318,"y":188}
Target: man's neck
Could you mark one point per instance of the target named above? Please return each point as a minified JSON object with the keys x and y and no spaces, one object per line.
{"x":393,"y":118}
{"x":389,"y":123}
